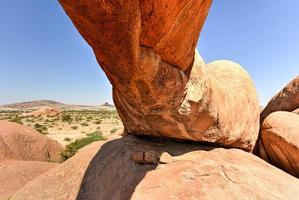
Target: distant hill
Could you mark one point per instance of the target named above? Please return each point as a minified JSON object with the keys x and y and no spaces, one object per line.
{"x":33,"y":105}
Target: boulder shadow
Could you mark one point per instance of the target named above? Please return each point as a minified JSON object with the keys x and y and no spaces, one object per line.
{"x":112,"y":173}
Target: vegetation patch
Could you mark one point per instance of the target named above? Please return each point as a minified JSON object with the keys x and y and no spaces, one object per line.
{"x":73,"y":147}
{"x":84,"y":124}
{"x":41,"y":128}
{"x":66,"y":118}
{"x":67,"y":139}
{"x":16,"y":119}
{"x":113,"y":130}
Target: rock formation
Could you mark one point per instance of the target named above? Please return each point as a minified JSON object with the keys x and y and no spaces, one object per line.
{"x":42,"y":111}
{"x":161,"y":87}
{"x":15,"y":174}
{"x":296,"y":111}
{"x":280,"y":141}
{"x":63,"y":182}
{"x":108,"y":170}
{"x":286,"y":100}
{"x":18,"y":142}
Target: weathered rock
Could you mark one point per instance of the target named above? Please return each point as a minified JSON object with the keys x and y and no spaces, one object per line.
{"x":195,"y":172}
{"x":160,"y":87}
{"x":19,"y":142}
{"x":296,"y":111}
{"x":286,"y":100}
{"x":63,"y":182}
{"x":42,"y":111}
{"x":280,"y":141}
{"x":15,"y":174}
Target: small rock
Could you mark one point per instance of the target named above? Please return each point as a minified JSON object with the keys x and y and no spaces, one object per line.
{"x":165,"y":158}
{"x":148,"y":157}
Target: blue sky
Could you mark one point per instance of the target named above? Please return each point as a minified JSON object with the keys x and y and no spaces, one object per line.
{"x":43,"y":57}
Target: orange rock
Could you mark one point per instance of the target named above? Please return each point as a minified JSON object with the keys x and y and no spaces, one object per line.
{"x":19,"y":142}
{"x":161,"y":87}
{"x":42,"y":111}
{"x":106,"y":171}
{"x":286,"y":100}
{"x":280,"y":141}
{"x":63,"y":182}
{"x":16,"y":174}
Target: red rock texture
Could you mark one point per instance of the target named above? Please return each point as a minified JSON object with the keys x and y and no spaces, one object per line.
{"x":160,"y":86}
{"x":107,"y":171}
{"x":19,"y":142}
{"x":280,"y":141}
{"x":15,"y":174}
{"x":286,"y":100}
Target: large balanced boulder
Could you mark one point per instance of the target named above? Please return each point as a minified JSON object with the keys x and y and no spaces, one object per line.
{"x":286,"y":100}
{"x":15,"y":174}
{"x":143,"y":168}
{"x":19,"y":142}
{"x":280,"y":141}
{"x":161,"y":87}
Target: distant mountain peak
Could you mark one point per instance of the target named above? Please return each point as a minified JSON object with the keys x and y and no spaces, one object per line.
{"x":106,"y":104}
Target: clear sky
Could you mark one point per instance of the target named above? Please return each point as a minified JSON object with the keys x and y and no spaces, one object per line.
{"x":43,"y":57}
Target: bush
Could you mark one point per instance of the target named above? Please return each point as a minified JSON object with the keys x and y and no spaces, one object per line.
{"x":66,"y":118}
{"x":67,"y":139}
{"x":41,"y":128}
{"x":98,"y":122}
{"x":84,"y":124}
{"x":74,"y":127}
{"x":16,"y":119}
{"x":113,"y":130}
{"x":73,"y":147}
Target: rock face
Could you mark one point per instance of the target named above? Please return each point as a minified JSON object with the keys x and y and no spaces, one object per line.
{"x":286,"y":100}
{"x":43,"y":111}
{"x":63,"y":182}
{"x":280,"y":141}
{"x":182,"y":171}
{"x":15,"y":174}
{"x":18,"y":142}
{"x":160,"y":86}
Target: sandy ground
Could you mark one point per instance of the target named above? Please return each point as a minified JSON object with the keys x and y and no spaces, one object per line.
{"x":83,"y":122}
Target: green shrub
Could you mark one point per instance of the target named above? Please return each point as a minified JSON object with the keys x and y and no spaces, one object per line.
{"x":41,"y":128}
{"x":74,"y":127}
{"x":113,"y":130}
{"x":16,"y":119}
{"x":66,"y":118}
{"x":73,"y":147}
{"x":67,"y":139}
{"x":98,"y":122}
{"x":89,"y":117}
{"x":84,"y":124}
